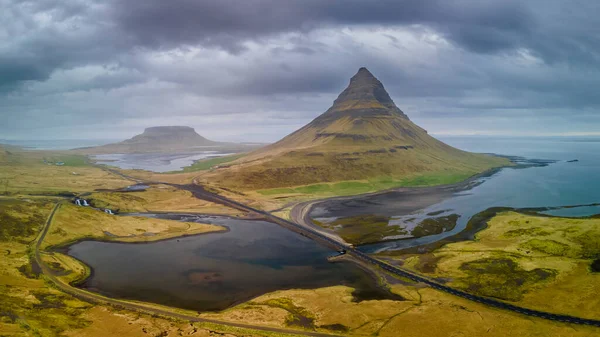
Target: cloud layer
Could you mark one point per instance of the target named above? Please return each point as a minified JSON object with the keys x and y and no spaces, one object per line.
{"x":256,"y":70}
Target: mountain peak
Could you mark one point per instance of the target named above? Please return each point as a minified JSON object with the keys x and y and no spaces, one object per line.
{"x":365,"y":96}
{"x":365,"y":86}
{"x":364,"y":73}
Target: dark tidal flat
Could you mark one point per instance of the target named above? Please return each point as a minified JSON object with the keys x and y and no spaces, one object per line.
{"x":214,"y":271}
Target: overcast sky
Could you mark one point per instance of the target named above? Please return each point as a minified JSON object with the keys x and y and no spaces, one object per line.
{"x":255,"y":70}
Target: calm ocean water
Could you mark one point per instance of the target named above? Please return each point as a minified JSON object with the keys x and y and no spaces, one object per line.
{"x":560,"y":184}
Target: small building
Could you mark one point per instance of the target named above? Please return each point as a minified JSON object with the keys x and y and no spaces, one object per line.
{"x":60,"y":163}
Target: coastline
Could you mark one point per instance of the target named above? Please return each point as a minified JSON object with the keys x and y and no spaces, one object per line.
{"x":414,"y":199}
{"x":407,"y":199}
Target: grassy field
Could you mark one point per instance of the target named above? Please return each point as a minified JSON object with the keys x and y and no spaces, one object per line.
{"x":157,"y":198}
{"x":539,"y":262}
{"x":363,"y":186}
{"x":24,"y":172}
{"x":74,"y":222}
{"x":424,"y":312}
{"x":359,"y":187}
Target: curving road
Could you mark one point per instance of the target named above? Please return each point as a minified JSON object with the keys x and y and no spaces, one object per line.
{"x":300,"y":214}
{"x":95,"y":298}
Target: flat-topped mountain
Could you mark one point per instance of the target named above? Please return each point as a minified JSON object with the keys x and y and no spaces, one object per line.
{"x":162,"y":139}
{"x":364,"y":135}
{"x":184,"y":136}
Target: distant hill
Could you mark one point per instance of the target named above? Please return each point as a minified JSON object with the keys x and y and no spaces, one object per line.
{"x":3,"y":153}
{"x":166,"y":139}
{"x":364,"y":135}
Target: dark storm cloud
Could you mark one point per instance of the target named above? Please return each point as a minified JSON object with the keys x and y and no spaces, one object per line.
{"x":84,"y":32}
{"x":482,"y":25}
{"x":81,"y":61}
{"x":41,"y":36}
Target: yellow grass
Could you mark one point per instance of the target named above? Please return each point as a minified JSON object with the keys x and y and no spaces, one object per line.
{"x":74,"y":222}
{"x":173,"y":178}
{"x":533,"y":242}
{"x":158,"y":198}
{"x":24,"y":172}
{"x":109,"y":322}
{"x":425,"y":312}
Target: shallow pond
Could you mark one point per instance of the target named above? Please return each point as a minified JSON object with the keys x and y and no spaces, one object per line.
{"x":156,"y":162}
{"x":217,"y":270}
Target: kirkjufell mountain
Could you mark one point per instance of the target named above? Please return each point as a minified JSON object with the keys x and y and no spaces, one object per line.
{"x":364,"y":135}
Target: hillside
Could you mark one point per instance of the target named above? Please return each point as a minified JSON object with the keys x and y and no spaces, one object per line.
{"x":165,"y":139}
{"x":364,"y":135}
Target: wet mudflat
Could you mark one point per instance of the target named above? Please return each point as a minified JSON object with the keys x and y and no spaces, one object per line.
{"x":217,"y":270}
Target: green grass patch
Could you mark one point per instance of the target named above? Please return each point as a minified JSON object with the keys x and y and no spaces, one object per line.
{"x":297,"y":316}
{"x":549,"y":247}
{"x":360,"y":187}
{"x":362,"y":229}
{"x":521,"y":232}
{"x":21,"y":220}
{"x":315,"y":189}
{"x":277,"y":191}
{"x":207,"y":164}
{"x":48,"y":314}
{"x":431,"y":226}
{"x":69,"y":160}
{"x":501,"y":278}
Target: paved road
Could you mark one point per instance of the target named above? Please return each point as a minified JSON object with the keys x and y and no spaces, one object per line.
{"x":95,"y":298}
{"x":309,"y":232}
{"x":300,"y":214}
